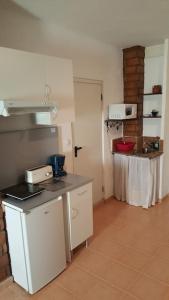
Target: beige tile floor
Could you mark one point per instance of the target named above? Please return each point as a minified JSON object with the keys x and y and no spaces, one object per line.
{"x":127,"y":259}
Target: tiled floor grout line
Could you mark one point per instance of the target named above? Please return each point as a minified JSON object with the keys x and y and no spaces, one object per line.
{"x":64,"y":288}
{"x":137,"y":249}
{"x":139,"y":272}
{"x":123,"y":290}
{"x":117,"y":261}
{"x":156,"y":279}
{"x":94,"y":274}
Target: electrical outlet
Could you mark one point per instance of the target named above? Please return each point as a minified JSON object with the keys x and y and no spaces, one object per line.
{"x":53,"y":130}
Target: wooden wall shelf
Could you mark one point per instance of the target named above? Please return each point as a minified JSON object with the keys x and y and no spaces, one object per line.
{"x":151,"y":94}
{"x":150,"y":117}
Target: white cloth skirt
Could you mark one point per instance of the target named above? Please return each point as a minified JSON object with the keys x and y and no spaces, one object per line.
{"x":136,"y":179}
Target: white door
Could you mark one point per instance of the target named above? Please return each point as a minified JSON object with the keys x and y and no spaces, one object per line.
{"x":88,"y":134}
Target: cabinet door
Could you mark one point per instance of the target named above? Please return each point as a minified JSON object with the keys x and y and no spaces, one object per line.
{"x":22,"y":75}
{"x":59,"y":78}
{"x":81,"y":215}
{"x":44,"y":241}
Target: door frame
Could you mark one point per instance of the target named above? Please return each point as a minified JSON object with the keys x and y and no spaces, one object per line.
{"x":99,"y":82}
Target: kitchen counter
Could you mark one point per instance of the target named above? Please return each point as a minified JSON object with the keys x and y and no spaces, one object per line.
{"x":51,"y":192}
{"x":149,"y":155}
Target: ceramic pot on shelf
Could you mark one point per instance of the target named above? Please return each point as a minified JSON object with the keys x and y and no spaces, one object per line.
{"x":154,"y":113}
{"x":157,"y":89}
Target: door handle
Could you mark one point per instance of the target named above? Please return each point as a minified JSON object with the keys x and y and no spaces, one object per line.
{"x":75,"y":212}
{"x":76,"y":149}
{"x":82,"y":193}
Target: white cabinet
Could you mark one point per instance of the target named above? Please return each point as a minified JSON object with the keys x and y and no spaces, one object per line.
{"x":30,"y":76}
{"x":80,"y":215}
{"x":22,"y":75}
{"x":36,"y":244}
{"x":59,"y":79}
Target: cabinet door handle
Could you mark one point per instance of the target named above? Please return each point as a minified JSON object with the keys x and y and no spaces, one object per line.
{"x":75,"y":212}
{"x":82,"y":193}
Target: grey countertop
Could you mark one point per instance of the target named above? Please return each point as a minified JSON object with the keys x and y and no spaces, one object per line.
{"x":67,"y":184}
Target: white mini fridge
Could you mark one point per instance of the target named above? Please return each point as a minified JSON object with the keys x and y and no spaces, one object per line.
{"x":36,"y":244}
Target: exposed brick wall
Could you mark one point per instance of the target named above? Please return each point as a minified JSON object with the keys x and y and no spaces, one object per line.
{"x":4,"y":259}
{"x":133,"y":74}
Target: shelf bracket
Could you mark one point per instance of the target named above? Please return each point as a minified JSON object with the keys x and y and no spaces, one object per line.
{"x":113,"y":124}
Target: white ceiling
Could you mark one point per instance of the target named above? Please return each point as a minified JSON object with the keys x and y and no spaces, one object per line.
{"x":117,"y":22}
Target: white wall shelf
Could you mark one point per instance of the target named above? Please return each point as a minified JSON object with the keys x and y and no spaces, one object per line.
{"x":149,"y":117}
{"x":152,"y":94}
{"x":152,"y":101}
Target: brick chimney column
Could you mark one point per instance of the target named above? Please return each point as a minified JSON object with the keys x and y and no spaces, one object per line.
{"x":133,"y":76}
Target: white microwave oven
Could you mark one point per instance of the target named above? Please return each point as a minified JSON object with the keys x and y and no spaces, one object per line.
{"x":122,"y":111}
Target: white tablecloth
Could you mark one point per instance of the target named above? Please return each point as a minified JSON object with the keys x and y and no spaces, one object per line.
{"x":136,"y":179}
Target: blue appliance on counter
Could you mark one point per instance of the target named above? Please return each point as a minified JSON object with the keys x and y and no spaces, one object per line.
{"x":57,"y":162}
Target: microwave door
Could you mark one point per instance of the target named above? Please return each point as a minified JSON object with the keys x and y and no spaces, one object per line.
{"x":128,"y":111}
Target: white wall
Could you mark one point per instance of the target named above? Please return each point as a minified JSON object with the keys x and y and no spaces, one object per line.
{"x":159,"y":73}
{"x":165,"y":123}
{"x":91,"y":59}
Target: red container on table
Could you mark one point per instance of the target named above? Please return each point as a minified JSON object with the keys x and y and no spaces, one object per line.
{"x":123,"y":146}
